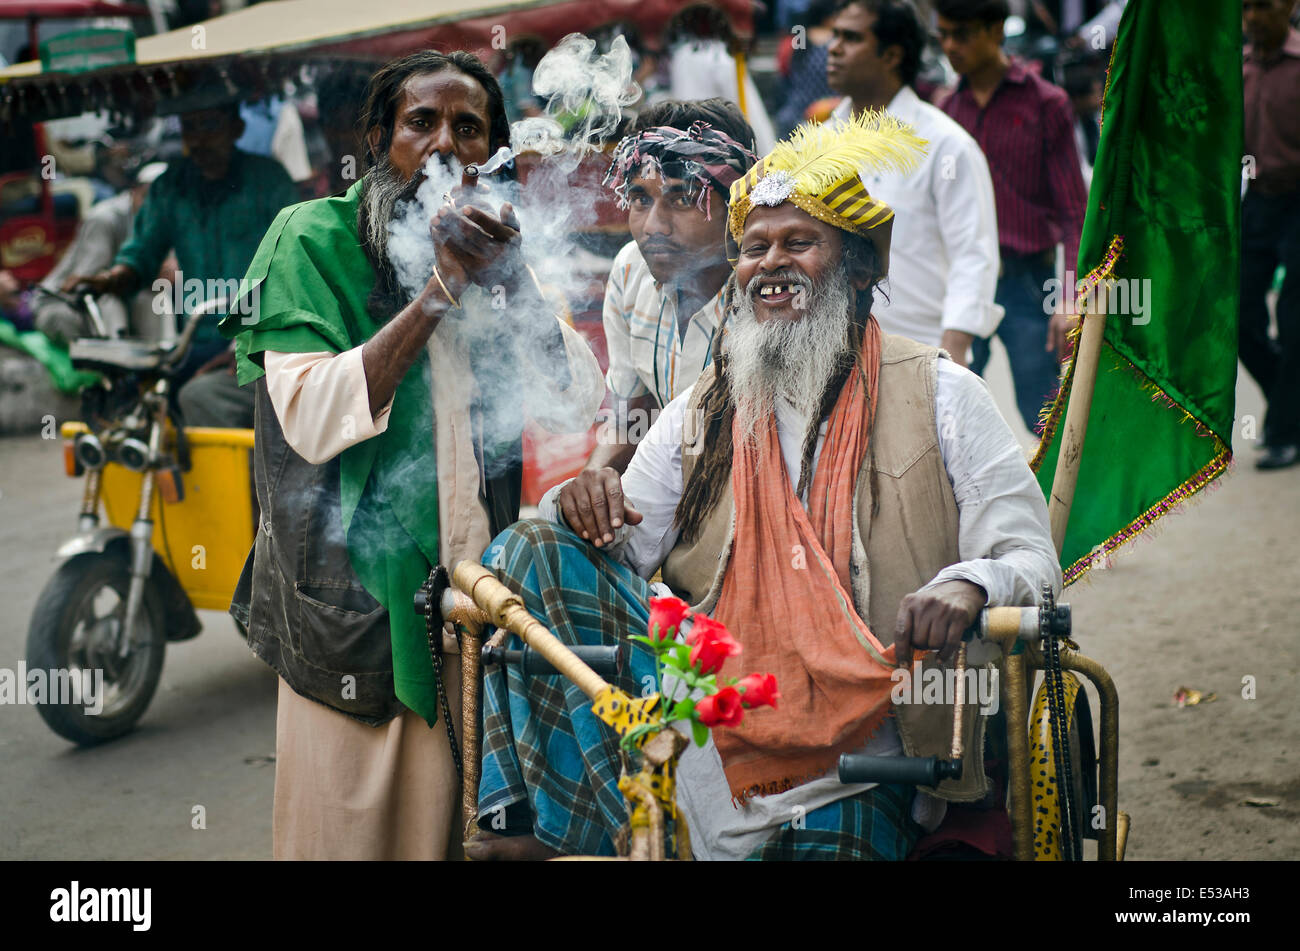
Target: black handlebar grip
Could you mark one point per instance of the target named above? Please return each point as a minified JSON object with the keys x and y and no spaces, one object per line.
{"x":909,"y":770}
{"x":606,"y":661}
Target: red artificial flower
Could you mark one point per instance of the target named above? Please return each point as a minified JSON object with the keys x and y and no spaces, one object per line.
{"x":721,"y":709}
{"x":759,"y":690}
{"x":712,"y":645}
{"x":665,"y":616}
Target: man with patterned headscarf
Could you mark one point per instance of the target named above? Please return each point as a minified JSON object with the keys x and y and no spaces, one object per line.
{"x":849,"y":504}
{"x":663,"y":300}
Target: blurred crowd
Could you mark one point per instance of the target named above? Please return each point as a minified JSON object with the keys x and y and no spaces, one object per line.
{"x":1022,"y":78}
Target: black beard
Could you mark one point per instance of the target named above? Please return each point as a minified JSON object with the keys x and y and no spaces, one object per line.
{"x":384,"y":192}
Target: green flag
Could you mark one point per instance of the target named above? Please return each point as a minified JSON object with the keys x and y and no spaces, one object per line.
{"x":1164,"y":225}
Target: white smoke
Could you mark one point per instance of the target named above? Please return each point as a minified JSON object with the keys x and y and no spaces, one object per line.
{"x":585,"y":96}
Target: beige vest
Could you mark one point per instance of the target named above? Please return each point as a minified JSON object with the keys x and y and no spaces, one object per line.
{"x":905,"y":531}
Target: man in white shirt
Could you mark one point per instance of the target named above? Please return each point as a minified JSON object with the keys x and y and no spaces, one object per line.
{"x":776,"y":519}
{"x":944,"y":256}
{"x":703,"y":69}
{"x":663,"y":300}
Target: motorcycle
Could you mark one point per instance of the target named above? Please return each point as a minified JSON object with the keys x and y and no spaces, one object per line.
{"x":178,"y":523}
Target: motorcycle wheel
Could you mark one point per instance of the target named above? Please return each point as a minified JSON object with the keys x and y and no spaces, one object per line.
{"x":75,"y":628}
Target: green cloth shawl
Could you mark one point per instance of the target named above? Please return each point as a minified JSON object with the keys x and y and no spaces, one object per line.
{"x":306,"y":292}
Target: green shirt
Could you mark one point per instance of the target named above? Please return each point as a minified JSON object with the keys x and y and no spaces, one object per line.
{"x":214,"y":228}
{"x":306,"y":292}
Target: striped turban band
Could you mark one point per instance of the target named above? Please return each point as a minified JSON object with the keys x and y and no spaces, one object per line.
{"x":818,"y":169}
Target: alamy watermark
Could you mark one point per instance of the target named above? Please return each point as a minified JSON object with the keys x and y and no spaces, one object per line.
{"x":1129,"y":297}
{"x":60,"y":686}
{"x":624,"y":425}
{"x":81,"y":904}
{"x":933,"y":685}
{"x":186,"y":294}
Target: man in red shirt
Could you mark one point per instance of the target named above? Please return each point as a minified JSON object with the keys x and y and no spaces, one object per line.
{"x":1024,"y":124}
{"x":1270,"y":221}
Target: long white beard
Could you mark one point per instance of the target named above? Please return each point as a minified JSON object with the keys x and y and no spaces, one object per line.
{"x":793,"y":359}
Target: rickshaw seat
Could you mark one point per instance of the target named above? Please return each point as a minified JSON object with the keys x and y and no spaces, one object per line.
{"x":91,"y":353}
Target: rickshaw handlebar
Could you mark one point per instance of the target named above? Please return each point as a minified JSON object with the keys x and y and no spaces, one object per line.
{"x":606,"y":661}
{"x":1002,"y":625}
{"x":182,"y":345}
{"x":908,"y":770}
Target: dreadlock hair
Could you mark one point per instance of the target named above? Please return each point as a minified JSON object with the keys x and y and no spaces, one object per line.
{"x":385,"y":92}
{"x":712,"y":468}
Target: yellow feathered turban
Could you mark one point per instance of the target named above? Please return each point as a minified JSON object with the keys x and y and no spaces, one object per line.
{"x":818,"y":167}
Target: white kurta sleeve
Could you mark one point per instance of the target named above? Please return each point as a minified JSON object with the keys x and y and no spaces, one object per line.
{"x":1004,"y":541}
{"x":964,"y":205}
{"x":322,"y":402}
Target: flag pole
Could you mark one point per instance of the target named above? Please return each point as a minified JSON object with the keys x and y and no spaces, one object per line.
{"x":1082,"y":380}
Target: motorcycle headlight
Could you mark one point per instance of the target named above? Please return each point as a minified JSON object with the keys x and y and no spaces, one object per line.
{"x":90,"y":452}
{"x":133,"y":454}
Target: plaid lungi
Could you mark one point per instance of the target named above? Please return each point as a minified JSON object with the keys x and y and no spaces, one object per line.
{"x":875,"y":825}
{"x":550,"y":765}
{"x":542,"y":748}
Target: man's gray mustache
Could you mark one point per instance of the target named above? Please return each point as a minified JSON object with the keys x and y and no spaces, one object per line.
{"x":786,"y":275}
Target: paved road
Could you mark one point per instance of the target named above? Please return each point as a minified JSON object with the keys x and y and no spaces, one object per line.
{"x":1208,"y":599}
{"x":205,"y":739}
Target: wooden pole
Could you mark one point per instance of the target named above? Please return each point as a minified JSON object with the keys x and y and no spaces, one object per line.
{"x":1082,"y":384}
{"x":741,"y":99}
{"x":471,"y":691}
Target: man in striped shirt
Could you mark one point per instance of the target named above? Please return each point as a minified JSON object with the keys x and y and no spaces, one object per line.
{"x":663,"y":301}
{"x":1024,"y":124}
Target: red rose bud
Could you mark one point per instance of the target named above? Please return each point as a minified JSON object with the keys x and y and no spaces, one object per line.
{"x":702,"y":625}
{"x":721,"y":709}
{"x":759,"y":690}
{"x":665,"y":616}
{"x":712,"y":645}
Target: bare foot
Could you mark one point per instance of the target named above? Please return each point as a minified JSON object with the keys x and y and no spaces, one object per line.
{"x":486,"y":847}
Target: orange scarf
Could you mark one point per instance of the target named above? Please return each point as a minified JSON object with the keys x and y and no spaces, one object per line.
{"x":786,"y":597}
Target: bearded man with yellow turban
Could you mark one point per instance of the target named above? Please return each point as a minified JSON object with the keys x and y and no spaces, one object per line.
{"x":844,"y":500}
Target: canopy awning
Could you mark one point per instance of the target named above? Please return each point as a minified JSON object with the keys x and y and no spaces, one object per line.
{"x":68,"y":9}
{"x":307,"y":29}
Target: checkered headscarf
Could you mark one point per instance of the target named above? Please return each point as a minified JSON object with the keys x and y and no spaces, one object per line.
{"x":703,"y":153}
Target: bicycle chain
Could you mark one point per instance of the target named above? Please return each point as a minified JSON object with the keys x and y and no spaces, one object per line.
{"x":1054,"y":679}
